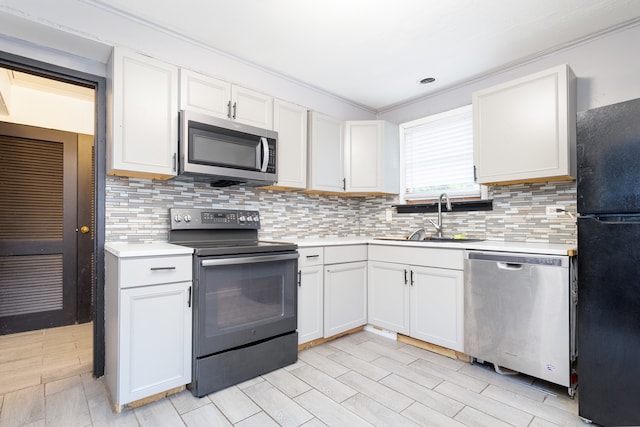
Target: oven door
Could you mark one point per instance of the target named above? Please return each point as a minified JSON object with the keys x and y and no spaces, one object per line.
{"x":243,"y":299}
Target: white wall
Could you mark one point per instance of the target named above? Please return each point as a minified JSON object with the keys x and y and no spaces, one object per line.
{"x":607,"y":71}
{"x":51,"y":111}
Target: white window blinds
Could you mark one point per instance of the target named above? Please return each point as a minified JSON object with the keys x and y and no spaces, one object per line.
{"x":438,"y":156}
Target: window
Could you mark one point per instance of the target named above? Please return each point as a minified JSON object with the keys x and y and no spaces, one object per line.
{"x":438,"y":156}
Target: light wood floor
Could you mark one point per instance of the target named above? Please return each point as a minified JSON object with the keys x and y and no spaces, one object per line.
{"x":44,"y":356}
{"x":360,"y":379}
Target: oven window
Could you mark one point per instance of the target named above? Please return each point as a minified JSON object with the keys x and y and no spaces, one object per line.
{"x":247,"y":301}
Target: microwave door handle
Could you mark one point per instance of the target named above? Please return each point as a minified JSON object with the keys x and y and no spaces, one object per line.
{"x":265,"y":154}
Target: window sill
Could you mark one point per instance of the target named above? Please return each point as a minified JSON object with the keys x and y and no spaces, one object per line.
{"x":456,"y":206}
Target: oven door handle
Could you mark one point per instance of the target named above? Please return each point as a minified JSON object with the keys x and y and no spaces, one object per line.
{"x":245,"y":260}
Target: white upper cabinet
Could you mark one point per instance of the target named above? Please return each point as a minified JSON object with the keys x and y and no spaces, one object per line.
{"x":290,"y":121}
{"x":218,"y":98}
{"x":524,"y":130}
{"x":251,"y":107}
{"x":355,"y":157}
{"x":326,"y":153}
{"x":204,"y":94}
{"x":371,"y":157}
{"x":142,"y":128}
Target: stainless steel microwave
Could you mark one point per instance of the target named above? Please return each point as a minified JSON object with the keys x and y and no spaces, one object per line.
{"x":226,"y":152}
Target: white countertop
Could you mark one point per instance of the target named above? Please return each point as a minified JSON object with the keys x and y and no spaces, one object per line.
{"x":486,"y":245}
{"x":331,"y":241}
{"x":125,"y":250}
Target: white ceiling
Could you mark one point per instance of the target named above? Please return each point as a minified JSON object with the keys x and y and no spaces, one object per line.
{"x":374,"y":52}
{"x":370,"y":52}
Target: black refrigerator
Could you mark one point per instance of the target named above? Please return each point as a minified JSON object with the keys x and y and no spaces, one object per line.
{"x":608,"y":191}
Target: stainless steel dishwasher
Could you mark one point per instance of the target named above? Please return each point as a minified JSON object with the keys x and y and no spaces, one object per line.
{"x":520,"y":313}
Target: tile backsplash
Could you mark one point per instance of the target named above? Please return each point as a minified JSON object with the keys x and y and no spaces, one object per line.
{"x":137,"y":211}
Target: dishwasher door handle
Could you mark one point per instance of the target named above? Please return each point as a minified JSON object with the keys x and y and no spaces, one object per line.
{"x":511,"y":266}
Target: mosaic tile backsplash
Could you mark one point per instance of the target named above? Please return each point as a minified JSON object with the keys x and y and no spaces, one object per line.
{"x":137,"y":211}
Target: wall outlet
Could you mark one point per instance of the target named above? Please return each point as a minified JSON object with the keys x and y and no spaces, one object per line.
{"x":552,"y":210}
{"x":389,"y":214}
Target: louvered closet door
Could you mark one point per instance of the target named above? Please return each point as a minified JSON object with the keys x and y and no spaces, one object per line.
{"x":38,"y":209}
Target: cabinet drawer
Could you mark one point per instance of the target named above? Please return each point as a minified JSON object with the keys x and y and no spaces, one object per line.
{"x":348,"y":253}
{"x":154,"y":270}
{"x":427,"y":257}
{"x":310,"y":256}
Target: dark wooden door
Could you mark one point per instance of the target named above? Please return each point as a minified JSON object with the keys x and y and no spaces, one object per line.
{"x":38,"y":228}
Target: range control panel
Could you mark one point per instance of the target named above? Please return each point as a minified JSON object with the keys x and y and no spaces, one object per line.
{"x":208,"y":219}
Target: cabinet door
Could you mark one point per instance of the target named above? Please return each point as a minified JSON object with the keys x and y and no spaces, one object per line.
{"x":388,"y":296}
{"x":363,"y":156}
{"x":144,"y":116}
{"x":345,"y":297}
{"x":437,"y":306}
{"x":524,"y":130}
{"x":205,"y":94}
{"x":251,"y":107}
{"x":310,"y":303}
{"x":290,"y":121}
{"x":326,"y":153}
{"x":155,"y":339}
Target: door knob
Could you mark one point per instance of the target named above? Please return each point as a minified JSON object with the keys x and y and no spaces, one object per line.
{"x":84,"y":229}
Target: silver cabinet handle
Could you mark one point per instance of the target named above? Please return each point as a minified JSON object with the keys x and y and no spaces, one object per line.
{"x":162,"y":268}
{"x":229,"y":110}
{"x":313,"y":256}
{"x":234,"y":110}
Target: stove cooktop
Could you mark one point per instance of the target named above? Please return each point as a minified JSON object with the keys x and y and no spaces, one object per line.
{"x":216,"y":232}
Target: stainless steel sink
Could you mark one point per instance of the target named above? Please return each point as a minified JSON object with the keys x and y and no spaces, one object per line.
{"x":432,"y":239}
{"x":450,"y":239}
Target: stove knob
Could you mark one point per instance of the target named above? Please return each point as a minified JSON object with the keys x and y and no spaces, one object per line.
{"x":177,"y":218}
{"x":242,"y":218}
{"x":187,"y":218}
{"x":256,"y":218}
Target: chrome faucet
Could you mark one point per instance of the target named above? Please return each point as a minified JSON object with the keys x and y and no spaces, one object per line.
{"x":438,"y":225}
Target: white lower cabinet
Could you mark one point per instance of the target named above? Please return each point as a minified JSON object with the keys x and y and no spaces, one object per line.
{"x":148,"y":321}
{"x":156,"y":344}
{"x":437,"y":306}
{"x":388,"y":296}
{"x":345,"y":294}
{"x":424,"y":301}
{"x":310,"y":295}
{"x":345,"y":288}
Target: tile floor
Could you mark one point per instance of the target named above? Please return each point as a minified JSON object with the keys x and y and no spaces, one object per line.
{"x":360,"y":379}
